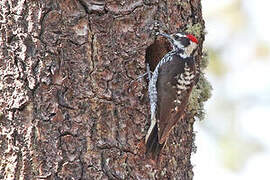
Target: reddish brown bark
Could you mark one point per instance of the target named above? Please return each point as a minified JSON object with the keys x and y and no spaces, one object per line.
{"x":71,"y":106}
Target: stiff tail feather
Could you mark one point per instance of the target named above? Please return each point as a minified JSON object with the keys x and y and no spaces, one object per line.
{"x":153,"y":148}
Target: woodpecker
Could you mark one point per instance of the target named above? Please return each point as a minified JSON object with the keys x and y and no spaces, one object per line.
{"x":169,"y":89}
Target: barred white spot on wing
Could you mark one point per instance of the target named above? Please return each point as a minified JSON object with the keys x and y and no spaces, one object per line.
{"x":182,"y":76}
{"x":187,"y":73}
{"x":190,"y":77}
{"x":182,"y":87}
{"x":184,"y":81}
{"x":187,"y":82}
{"x":177,"y":101}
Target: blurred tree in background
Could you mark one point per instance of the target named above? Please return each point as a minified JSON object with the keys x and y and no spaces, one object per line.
{"x":238,"y":47}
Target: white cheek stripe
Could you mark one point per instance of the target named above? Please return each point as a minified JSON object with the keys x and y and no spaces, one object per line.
{"x":178,"y":45}
{"x":179,"y":34}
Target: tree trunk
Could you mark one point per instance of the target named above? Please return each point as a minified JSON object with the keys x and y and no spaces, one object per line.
{"x":71,"y":106}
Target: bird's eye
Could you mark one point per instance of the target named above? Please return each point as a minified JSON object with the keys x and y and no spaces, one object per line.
{"x":176,"y":37}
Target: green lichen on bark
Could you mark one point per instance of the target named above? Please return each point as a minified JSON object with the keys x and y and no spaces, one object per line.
{"x":204,"y":61}
{"x":181,"y":3}
{"x":201,"y":92}
{"x":195,"y":29}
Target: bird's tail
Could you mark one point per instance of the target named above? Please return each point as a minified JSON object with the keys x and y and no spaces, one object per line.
{"x":153,"y":147}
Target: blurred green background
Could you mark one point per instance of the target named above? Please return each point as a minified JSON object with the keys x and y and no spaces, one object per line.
{"x":233,"y":142}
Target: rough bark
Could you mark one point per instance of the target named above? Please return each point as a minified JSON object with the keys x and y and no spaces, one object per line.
{"x":71,"y":106}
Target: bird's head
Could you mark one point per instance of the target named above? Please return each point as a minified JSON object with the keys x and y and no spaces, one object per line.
{"x":182,"y":41}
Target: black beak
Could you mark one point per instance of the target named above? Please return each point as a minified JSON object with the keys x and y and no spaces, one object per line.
{"x":166,"y":36}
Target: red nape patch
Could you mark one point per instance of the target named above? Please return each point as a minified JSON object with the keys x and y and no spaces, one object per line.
{"x":192,"y":38}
